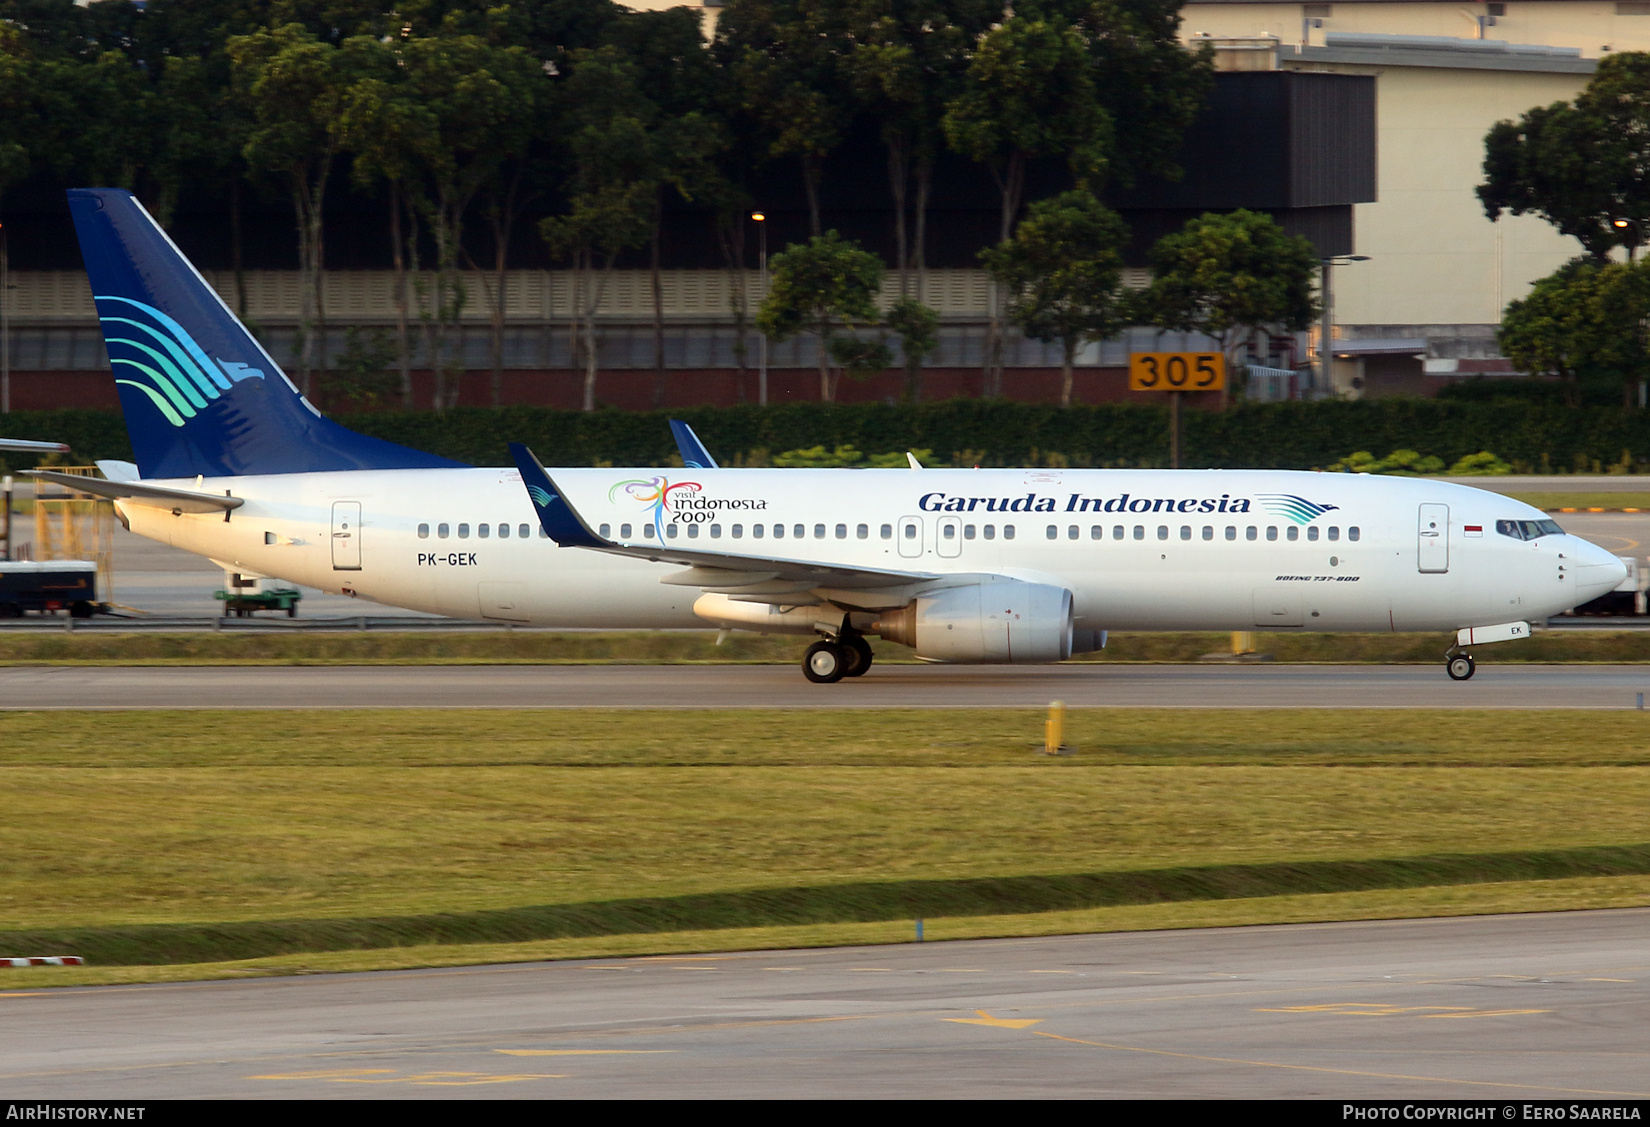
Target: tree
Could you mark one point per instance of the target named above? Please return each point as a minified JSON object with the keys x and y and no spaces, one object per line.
{"x":614,"y":185}
{"x":1583,"y":323}
{"x":1029,"y":94}
{"x":483,"y":103}
{"x":1579,"y":165}
{"x":680,"y":77}
{"x":1230,"y":277}
{"x":918,"y":327}
{"x":1062,"y":271}
{"x":818,"y":286}
{"x":296,"y":87}
{"x":786,"y":58}
{"x":908,"y":60}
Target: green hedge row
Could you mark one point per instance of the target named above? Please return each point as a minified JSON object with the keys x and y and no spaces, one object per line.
{"x":1534,"y":438}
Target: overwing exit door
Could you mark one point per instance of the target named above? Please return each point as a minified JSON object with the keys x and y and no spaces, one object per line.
{"x":909,"y":535}
{"x":346,"y":536}
{"x":1433,"y":537}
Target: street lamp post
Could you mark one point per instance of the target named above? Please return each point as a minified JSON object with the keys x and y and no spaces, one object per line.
{"x":761,"y":222}
{"x":1637,"y":230}
{"x":1327,"y":328}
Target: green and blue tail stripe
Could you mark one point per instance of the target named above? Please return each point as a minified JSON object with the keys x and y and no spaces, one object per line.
{"x":1290,"y":507}
{"x":200,"y":394}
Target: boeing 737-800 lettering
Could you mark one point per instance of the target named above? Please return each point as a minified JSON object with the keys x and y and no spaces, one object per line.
{"x":984,"y":566}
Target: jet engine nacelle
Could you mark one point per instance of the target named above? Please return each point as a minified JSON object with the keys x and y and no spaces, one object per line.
{"x":999,"y":621}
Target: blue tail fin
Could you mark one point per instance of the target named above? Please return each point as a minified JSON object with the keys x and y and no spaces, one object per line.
{"x":200,"y":394}
{"x":694,"y":454}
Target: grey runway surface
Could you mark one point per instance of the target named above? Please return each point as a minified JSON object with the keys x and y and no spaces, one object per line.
{"x":1493,"y":1008}
{"x":772,"y":686}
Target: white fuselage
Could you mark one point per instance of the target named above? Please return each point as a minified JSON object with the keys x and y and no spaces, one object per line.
{"x":1138,"y":549}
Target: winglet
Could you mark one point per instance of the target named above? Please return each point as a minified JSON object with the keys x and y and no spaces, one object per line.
{"x":556,"y":516}
{"x":694,"y":454}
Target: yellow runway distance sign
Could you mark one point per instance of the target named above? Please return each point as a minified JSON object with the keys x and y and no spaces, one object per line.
{"x":1177,"y":371}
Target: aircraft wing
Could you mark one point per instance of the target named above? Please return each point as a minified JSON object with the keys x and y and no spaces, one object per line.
{"x":694,"y":454}
{"x":137,"y":493}
{"x":714,"y":571}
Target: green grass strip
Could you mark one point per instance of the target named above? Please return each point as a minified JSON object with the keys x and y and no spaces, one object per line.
{"x":861,"y":902}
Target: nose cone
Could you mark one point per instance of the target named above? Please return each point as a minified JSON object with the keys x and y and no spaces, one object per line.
{"x":1596,"y":570}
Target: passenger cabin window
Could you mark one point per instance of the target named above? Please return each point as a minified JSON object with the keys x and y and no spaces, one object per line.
{"x":716,"y":532}
{"x":1312,"y":532}
{"x":463,"y":532}
{"x":671,"y":530}
{"x":1073,"y":532}
{"x":1162,"y":532}
{"x":624,"y":532}
{"x":1117,"y":532}
{"x":693,"y":531}
{"x":1231,"y":532}
{"x":1185,"y":532}
{"x":1096,"y":532}
{"x":604,"y":531}
{"x":1334,"y":532}
{"x":949,"y":531}
{"x":989,"y":532}
{"x":819,"y":531}
{"x":1352,"y":533}
{"x":779,"y":532}
{"x":504,"y":532}
{"x":482,"y":530}
{"x":1292,"y":532}
{"x":423,"y":534}
{"x":524,"y":532}
{"x":647,"y":532}
{"x":543,"y":535}
{"x":968,"y":532}
{"x":1249,"y":533}
{"x":886,"y":532}
{"x":1208,"y":532}
{"x":738,"y":530}
{"x":842,"y":532}
{"x":798,"y":531}
{"x":1053,"y":532}
{"x":910,"y":532}
{"x":1008,"y":532}
{"x":757,"y":530}
{"x":862,"y":531}
{"x":1271,"y":532}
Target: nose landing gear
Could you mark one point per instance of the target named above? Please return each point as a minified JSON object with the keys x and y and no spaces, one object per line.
{"x":1460,"y":666}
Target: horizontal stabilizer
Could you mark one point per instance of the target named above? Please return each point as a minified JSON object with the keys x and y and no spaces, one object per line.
{"x":154,"y":496}
{"x":24,"y":446}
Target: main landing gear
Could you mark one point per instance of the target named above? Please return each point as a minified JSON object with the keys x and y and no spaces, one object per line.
{"x":828,"y":661}
{"x":1460,"y":666}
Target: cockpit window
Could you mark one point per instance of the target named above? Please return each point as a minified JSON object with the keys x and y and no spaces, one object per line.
{"x":1528,"y":529}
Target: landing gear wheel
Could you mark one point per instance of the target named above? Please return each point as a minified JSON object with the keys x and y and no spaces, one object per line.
{"x":825,"y":663}
{"x":859,"y":655}
{"x":1461,"y":667}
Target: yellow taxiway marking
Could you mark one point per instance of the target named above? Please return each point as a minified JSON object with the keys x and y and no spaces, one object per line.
{"x":325,"y":1074}
{"x":30,"y":994}
{"x":1335,"y":1071}
{"x":888,"y":970}
{"x":1381,"y":1009}
{"x":387,"y":1076}
{"x":962,"y":970}
{"x":784,"y":968}
{"x":1051,"y":972}
{"x":581,"y":1052}
{"x":1607,"y":980}
{"x":997,"y":1022}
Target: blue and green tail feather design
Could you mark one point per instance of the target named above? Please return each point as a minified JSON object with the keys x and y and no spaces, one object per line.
{"x":200,"y":394}
{"x":1293,"y":508}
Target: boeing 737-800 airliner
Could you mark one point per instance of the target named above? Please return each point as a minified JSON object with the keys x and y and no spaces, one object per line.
{"x":984,"y":566}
